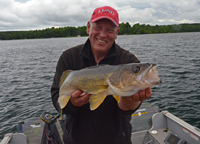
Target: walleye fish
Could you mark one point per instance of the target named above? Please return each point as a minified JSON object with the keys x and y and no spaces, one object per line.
{"x":100,"y":81}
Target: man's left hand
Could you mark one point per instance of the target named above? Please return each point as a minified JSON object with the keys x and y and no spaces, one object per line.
{"x":132,"y":102}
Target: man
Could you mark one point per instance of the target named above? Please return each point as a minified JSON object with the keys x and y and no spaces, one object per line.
{"x":110,"y":122}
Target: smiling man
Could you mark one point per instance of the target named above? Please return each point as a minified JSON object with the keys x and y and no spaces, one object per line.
{"x":110,"y":122}
{"x":102,"y":35}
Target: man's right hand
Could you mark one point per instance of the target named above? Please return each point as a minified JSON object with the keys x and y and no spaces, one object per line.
{"x":79,"y":98}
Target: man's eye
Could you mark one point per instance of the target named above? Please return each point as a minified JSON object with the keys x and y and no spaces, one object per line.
{"x":98,"y":27}
{"x":110,"y":30}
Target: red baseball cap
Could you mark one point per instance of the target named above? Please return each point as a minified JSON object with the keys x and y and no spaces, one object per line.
{"x":105,"y":12}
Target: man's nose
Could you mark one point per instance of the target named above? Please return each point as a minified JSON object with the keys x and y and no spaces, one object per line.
{"x":103,"y":33}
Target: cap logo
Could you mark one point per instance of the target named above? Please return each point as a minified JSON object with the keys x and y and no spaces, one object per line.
{"x":106,"y":11}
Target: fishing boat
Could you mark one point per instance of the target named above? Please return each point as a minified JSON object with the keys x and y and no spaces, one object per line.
{"x":149,"y":126}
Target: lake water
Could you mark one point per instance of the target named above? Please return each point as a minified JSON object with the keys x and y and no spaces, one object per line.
{"x":27,"y":68}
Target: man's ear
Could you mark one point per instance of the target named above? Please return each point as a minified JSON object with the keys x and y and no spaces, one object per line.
{"x":88,"y":27}
{"x":117,"y":32}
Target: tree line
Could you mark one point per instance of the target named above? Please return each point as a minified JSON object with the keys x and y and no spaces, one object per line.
{"x":125,"y":28}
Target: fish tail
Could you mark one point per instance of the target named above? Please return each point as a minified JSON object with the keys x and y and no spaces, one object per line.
{"x":62,"y":100}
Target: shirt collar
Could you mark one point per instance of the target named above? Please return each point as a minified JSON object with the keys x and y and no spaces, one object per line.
{"x":87,"y":52}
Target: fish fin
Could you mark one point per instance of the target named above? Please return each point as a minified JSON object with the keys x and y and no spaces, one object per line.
{"x":117,"y":98}
{"x":61,"y":113}
{"x":63,"y":100}
{"x":95,"y":101}
{"x":63,"y":77}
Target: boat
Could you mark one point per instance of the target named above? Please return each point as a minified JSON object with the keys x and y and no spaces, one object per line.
{"x":149,"y":126}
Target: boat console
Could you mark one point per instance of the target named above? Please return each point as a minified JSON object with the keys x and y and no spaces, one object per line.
{"x":173,"y":139}
{"x":163,"y":128}
{"x":163,"y":136}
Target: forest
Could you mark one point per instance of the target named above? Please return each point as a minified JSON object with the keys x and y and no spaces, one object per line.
{"x":125,"y":29}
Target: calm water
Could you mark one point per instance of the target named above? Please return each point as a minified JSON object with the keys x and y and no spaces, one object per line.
{"x":27,"y":68}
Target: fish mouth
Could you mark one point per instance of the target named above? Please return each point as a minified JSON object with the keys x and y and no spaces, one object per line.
{"x":150,"y":75}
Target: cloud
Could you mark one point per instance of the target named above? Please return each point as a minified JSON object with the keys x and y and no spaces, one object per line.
{"x":133,"y":15}
{"x":38,"y":14}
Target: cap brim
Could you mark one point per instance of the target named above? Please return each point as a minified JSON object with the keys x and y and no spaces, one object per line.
{"x":105,"y":17}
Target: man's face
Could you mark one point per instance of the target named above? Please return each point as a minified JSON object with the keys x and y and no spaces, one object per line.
{"x":102,"y":35}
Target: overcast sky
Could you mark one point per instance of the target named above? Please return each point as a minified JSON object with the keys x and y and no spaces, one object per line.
{"x":41,"y":14}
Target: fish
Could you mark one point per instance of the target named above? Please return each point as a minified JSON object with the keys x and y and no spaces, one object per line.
{"x":103,"y":80}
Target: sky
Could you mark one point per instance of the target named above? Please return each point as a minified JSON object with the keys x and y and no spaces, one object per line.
{"x":16,"y":15}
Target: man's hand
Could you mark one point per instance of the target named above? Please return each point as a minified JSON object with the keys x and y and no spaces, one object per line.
{"x":79,"y":98}
{"x":132,"y":102}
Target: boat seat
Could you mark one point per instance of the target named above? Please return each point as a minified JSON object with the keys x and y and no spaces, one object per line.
{"x":18,"y":138}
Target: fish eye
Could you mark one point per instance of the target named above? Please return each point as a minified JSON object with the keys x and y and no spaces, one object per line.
{"x":136,"y":69}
